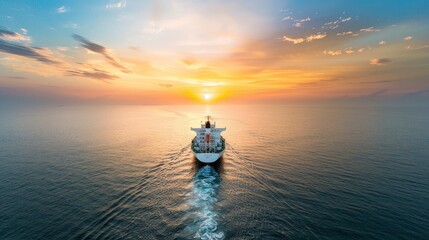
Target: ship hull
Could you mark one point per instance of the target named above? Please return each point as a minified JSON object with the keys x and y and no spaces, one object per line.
{"x":208,"y":157}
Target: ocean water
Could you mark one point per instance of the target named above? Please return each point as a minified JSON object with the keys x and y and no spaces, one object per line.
{"x":289,"y":172}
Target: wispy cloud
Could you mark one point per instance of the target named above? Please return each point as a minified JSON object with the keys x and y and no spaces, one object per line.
{"x":380,"y":61}
{"x":332,"y":52}
{"x":116,"y":4}
{"x":191,"y":63}
{"x":349,"y":51}
{"x":9,"y":45}
{"x":299,"y":22}
{"x":315,"y":37}
{"x":13,"y":36}
{"x":310,"y":38}
{"x":12,"y":77}
{"x":94,"y":73}
{"x":287,"y":18}
{"x":345,"y":19}
{"x":370,"y":29}
{"x":382,"y":42}
{"x":340,"y":20}
{"x":55,"y":65}
{"x":407,"y":38}
{"x":293,"y":40}
{"x":376,"y":93}
{"x":303,"y":20}
{"x":63,"y":49}
{"x":345,"y":33}
{"x":101,"y":50}
{"x":36,"y":53}
{"x":335,"y":24}
{"x":63,"y":9}
{"x":417,"y":48}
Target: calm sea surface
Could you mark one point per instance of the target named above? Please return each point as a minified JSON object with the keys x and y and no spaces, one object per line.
{"x":289,"y":172}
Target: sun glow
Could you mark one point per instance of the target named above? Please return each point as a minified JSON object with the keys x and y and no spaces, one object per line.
{"x":207,"y":96}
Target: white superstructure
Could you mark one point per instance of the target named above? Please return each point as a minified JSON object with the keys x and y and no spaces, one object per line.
{"x":208,"y":145}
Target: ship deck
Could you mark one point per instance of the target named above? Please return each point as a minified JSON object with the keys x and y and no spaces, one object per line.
{"x":220,"y":147}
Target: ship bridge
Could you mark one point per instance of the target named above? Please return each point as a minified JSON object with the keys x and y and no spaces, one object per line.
{"x":208,"y":137}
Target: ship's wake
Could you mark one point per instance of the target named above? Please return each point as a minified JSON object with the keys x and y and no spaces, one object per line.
{"x":205,"y":186}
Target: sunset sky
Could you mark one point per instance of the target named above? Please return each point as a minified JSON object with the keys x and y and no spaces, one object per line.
{"x":167,"y":52}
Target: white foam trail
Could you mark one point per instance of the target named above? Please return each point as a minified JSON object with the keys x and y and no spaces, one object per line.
{"x":206,"y":183}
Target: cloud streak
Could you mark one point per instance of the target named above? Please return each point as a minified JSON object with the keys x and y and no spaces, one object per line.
{"x":332,"y":53}
{"x":317,"y":36}
{"x":35,"y":53}
{"x":380,"y":61}
{"x":340,"y":20}
{"x":348,"y":50}
{"x":45,"y":55}
{"x":336,"y":24}
{"x":13,"y":36}
{"x":298,"y":23}
{"x":310,"y":38}
{"x":116,"y":4}
{"x":94,"y":73}
{"x":345,"y":33}
{"x":62,"y":9}
{"x":370,"y":29}
{"x":293,"y":40}
{"x":417,"y":48}
{"x":101,"y":50}
{"x":287,"y":18}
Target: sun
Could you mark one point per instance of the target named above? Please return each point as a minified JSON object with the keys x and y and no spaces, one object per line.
{"x":207,"y":96}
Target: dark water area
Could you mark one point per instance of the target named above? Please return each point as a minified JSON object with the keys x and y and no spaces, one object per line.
{"x":288,"y":172}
